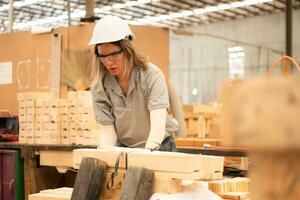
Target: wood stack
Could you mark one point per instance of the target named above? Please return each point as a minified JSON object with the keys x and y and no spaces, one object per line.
{"x":202,"y":121}
{"x":234,"y":188}
{"x":169,"y":167}
{"x":45,"y":120}
{"x":28,"y":115}
{"x":267,"y":121}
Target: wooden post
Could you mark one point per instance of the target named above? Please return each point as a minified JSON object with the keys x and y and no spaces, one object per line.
{"x":138,"y":184}
{"x":90,"y":179}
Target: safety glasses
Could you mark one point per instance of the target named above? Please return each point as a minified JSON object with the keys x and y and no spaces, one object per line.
{"x":112,"y":56}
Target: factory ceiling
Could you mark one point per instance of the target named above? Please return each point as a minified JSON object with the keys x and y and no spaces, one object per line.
{"x":30,"y":14}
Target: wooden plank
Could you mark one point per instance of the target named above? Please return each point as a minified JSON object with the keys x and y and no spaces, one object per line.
{"x":262,"y":113}
{"x":175,"y":162}
{"x":138,"y":184}
{"x":179,"y":165}
{"x":42,"y":196}
{"x":56,"y":158}
{"x":90,"y":179}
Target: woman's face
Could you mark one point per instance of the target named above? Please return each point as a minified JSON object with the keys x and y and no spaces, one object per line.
{"x":112,"y":57}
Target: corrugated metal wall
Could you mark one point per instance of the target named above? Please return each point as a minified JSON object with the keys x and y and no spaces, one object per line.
{"x":199,"y":61}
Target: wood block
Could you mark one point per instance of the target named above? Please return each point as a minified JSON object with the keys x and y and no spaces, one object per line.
{"x":196,"y":142}
{"x":47,"y":196}
{"x":22,"y":118}
{"x":64,"y":110}
{"x":30,"y":132}
{"x":21,"y":96}
{"x":30,"y":103}
{"x":95,"y":133}
{"x":84,"y":95}
{"x":138,"y":184}
{"x":65,"y":139}
{"x":29,"y":96}
{"x":39,"y":111}
{"x":72,"y":103}
{"x":90,"y":125}
{"x":38,"y":132}
{"x":79,"y":139}
{"x":90,"y":141}
{"x":54,"y":133}
{"x":22,"y":132}
{"x":268,"y":119}
{"x":53,"y":140}
{"x":63,"y":103}
{"x":30,"y":117}
{"x":38,"y":125}
{"x":56,"y":158}
{"x":72,"y":95}
{"x":166,"y":161}
{"x":72,"y":110}
{"x":54,"y":126}
{"x":235,"y":195}
{"x":39,"y":103}
{"x":22,"y":104}
{"x":90,"y":179}
{"x":30,"y":125}
{"x":73,"y":141}
{"x":64,"y":125}
{"x":64,"y":132}
{"x":158,"y":161}
{"x":109,"y":156}
{"x":22,"y":111}
{"x":30,"y":110}
{"x":164,"y":184}
{"x":30,"y":139}
{"x":22,"y":139}
{"x":38,"y":139}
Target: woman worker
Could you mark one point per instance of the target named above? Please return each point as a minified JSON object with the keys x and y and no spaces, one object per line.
{"x":129,"y":93}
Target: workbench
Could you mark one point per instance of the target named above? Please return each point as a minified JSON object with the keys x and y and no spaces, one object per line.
{"x":38,"y":178}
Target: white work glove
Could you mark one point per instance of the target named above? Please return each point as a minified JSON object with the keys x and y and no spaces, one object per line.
{"x":157,"y":128}
{"x":108,"y":136}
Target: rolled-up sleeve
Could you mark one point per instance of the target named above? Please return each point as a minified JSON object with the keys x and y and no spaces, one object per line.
{"x":157,"y":93}
{"x":102,"y":105}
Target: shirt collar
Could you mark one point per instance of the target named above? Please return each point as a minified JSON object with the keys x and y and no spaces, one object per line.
{"x":111,"y":82}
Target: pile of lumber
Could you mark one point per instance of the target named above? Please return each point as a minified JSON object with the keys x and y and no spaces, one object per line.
{"x":267,"y":121}
{"x":202,"y":120}
{"x":169,"y":168}
{"x":46,"y":120}
{"x":231,"y":188}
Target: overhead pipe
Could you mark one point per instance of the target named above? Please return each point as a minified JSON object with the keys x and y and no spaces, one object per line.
{"x":10,"y":16}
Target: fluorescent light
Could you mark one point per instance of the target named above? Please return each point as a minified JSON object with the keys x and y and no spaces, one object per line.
{"x":211,"y":9}
{"x":200,"y":11}
{"x":144,"y":1}
{"x":224,"y":6}
{"x":19,"y":4}
{"x":119,"y":5}
{"x":131,"y":3}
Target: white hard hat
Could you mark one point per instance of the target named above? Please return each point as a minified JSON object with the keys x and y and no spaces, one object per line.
{"x":110,"y":29}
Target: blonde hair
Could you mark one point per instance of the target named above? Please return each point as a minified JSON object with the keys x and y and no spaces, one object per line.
{"x":132,"y":59}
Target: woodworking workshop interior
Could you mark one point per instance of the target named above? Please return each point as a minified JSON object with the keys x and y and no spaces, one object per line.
{"x":149,"y":99}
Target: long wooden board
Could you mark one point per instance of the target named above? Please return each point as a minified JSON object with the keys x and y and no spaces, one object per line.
{"x":176,"y":164}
